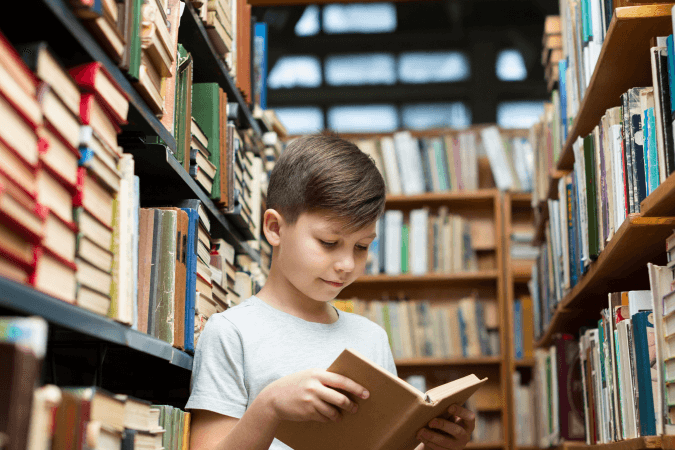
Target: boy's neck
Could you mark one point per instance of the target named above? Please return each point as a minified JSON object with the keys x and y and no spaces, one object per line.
{"x":280,"y":294}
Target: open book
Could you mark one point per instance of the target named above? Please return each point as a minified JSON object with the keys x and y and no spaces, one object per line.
{"x":388,"y":419}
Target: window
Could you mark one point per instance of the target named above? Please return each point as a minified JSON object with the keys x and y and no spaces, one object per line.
{"x":430,"y":67}
{"x":436,"y":115}
{"x":521,"y":114}
{"x":360,"y":18}
{"x":301,"y":120}
{"x":364,"y":69}
{"x":510,"y":66}
{"x":293,"y":71}
{"x":363,"y":118}
{"x":308,"y":24}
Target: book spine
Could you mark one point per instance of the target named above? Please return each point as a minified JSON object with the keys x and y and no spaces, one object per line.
{"x":644,"y":332}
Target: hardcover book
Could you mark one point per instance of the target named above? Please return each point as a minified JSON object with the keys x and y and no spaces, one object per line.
{"x":388,"y":419}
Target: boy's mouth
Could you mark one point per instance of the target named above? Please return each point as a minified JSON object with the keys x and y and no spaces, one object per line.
{"x":334,"y":284}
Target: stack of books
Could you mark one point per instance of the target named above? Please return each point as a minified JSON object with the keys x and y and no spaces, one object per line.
{"x":422,"y":243}
{"x":158,"y":52}
{"x":552,"y":50}
{"x":466,"y":328}
{"x":224,"y":273}
{"x":107,"y":197}
{"x":201,"y":169}
{"x":524,"y":415}
{"x":176,"y":424}
{"x":38,"y":181}
{"x":219,"y":25}
{"x":272,"y":152}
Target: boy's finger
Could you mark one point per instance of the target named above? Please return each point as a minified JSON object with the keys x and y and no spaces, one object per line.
{"x":345,"y":383}
{"x":336,"y":398}
{"x":448,"y":427}
{"x":466,"y":415}
{"x":436,"y":438}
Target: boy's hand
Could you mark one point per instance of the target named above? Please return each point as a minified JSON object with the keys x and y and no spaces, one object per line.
{"x":309,"y":396}
{"x":446,"y":434}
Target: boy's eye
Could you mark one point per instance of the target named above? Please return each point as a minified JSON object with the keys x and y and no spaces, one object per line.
{"x":362,"y":248}
{"x":328,"y":243}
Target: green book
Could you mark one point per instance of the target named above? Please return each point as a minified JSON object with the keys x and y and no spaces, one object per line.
{"x":182,"y":110}
{"x":205,"y":110}
{"x":168,"y":430}
{"x":385,"y":311}
{"x":404,"y":248}
{"x":592,"y":211}
{"x":135,"y":44}
{"x":176,"y":421}
{"x":164,"y":318}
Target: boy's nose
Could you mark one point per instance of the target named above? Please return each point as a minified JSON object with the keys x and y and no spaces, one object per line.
{"x":345,"y":264}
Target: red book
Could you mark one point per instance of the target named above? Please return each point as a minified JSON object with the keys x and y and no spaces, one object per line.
{"x":17,"y":67}
{"x":93,"y":77}
{"x":92,"y":113}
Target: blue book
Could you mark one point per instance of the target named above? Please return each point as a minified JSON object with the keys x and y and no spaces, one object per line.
{"x":463,"y":333}
{"x":650,"y":151}
{"x":670,"y":69}
{"x":190,"y":279}
{"x":261,"y":64}
{"x":572,"y":245}
{"x":563,"y":65}
{"x":646,"y":365}
{"x":426,"y":164}
{"x":518,"y":329}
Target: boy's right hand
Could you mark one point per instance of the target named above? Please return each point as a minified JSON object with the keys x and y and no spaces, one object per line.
{"x":309,"y":396}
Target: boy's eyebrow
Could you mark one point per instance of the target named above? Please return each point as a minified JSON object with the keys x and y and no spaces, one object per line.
{"x":338,"y":232}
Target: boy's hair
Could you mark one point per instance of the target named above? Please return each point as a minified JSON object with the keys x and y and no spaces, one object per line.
{"x":325,"y":173}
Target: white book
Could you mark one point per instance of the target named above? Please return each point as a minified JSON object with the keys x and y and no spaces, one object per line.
{"x":655,"y":53}
{"x":418,"y":241}
{"x":661,"y":279}
{"x":581,"y":198}
{"x":410,"y":163}
{"x":618,"y":174}
{"x":391,"y":165}
{"x":395,"y":326}
{"x":556,"y":428}
{"x":393,"y":222}
{"x":563,"y":227}
{"x":405,"y":323}
{"x":639,"y":300}
{"x":629,"y":408}
{"x":497,"y":156}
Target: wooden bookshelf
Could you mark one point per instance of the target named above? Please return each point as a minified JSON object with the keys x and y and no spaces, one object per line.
{"x":621,"y":266}
{"x":668,"y":442}
{"x":652,"y":442}
{"x":661,"y":201}
{"x":429,"y":361}
{"x":470,"y":198}
{"x":459,"y":278}
{"x":525,"y":363}
{"x":622,"y":64}
{"x":485,"y":445}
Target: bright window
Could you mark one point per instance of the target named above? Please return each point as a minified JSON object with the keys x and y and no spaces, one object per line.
{"x":430,"y":67}
{"x":296,"y":71}
{"x":520,"y":114}
{"x":363,"y":118}
{"x":436,"y":115}
{"x":308,"y":24}
{"x":360,"y":18}
{"x":364,"y":69}
{"x":301,"y":120}
{"x":510,"y":66}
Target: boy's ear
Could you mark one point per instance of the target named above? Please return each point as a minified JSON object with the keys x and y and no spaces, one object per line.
{"x":272,"y":223}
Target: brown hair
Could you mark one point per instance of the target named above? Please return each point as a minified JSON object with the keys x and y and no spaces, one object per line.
{"x":325,"y":173}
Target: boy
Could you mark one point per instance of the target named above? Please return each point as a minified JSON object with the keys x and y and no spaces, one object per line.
{"x":264,"y":360}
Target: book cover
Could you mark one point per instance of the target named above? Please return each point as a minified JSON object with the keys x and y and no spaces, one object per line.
{"x":206,"y":107}
{"x":191,"y":274}
{"x":166,"y":292}
{"x":628,"y":162}
{"x":388,"y":419}
{"x":592,"y":212}
{"x":636,"y":124}
{"x":154,"y":277}
{"x":646,"y":369}
{"x":664,"y":97}
{"x":571,"y":407}
{"x":94,"y":77}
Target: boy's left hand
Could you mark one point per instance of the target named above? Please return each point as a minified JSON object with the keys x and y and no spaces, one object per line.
{"x":441,"y":433}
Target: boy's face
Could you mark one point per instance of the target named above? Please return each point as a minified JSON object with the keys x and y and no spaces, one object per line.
{"x":318,"y":257}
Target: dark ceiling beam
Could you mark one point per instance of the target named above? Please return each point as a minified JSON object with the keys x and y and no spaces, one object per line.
{"x":403,"y":93}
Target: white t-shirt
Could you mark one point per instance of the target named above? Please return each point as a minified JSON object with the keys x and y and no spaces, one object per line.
{"x":253,"y":344}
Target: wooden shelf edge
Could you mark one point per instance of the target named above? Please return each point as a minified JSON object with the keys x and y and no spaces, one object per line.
{"x":594,"y":275}
{"x":485,"y":445}
{"x":651,"y":442}
{"x":411,"y":278}
{"x":661,"y":201}
{"x":487,"y":194}
{"x":434,"y":361}
{"x":622,"y":14}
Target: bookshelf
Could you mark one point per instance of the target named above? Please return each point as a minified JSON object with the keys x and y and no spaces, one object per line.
{"x":624,"y":56}
{"x":652,"y":442}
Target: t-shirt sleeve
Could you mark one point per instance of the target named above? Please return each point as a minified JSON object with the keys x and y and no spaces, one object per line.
{"x":217,"y":382}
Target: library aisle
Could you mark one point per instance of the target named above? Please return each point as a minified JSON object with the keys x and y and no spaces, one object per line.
{"x":527,"y":150}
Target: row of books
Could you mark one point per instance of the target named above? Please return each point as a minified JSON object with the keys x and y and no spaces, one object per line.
{"x":51,"y":417}
{"x":68,"y":185}
{"x":523,"y":327}
{"x":615,"y":382}
{"x":422,"y":242}
{"x":552,"y":50}
{"x":523,"y":394}
{"x":464,"y":328}
{"x":448,"y":162}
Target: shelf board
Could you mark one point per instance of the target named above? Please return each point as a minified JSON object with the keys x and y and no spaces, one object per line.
{"x":485,"y":445}
{"x":621,"y":266}
{"x":651,"y":442}
{"x":527,"y":362}
{"x":661,"y":201}
{"x":481,"y":197}
{"x":208,"y":66}
{"x":521,"y":274}
{"x":24,"y":299}
{"x":455,"y":278}
{"x":668,"y":442}
{"x":521,"y":199}
{"x":433,"y":361}
{"x":624,"y":63}
{"x":164,"y":181}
